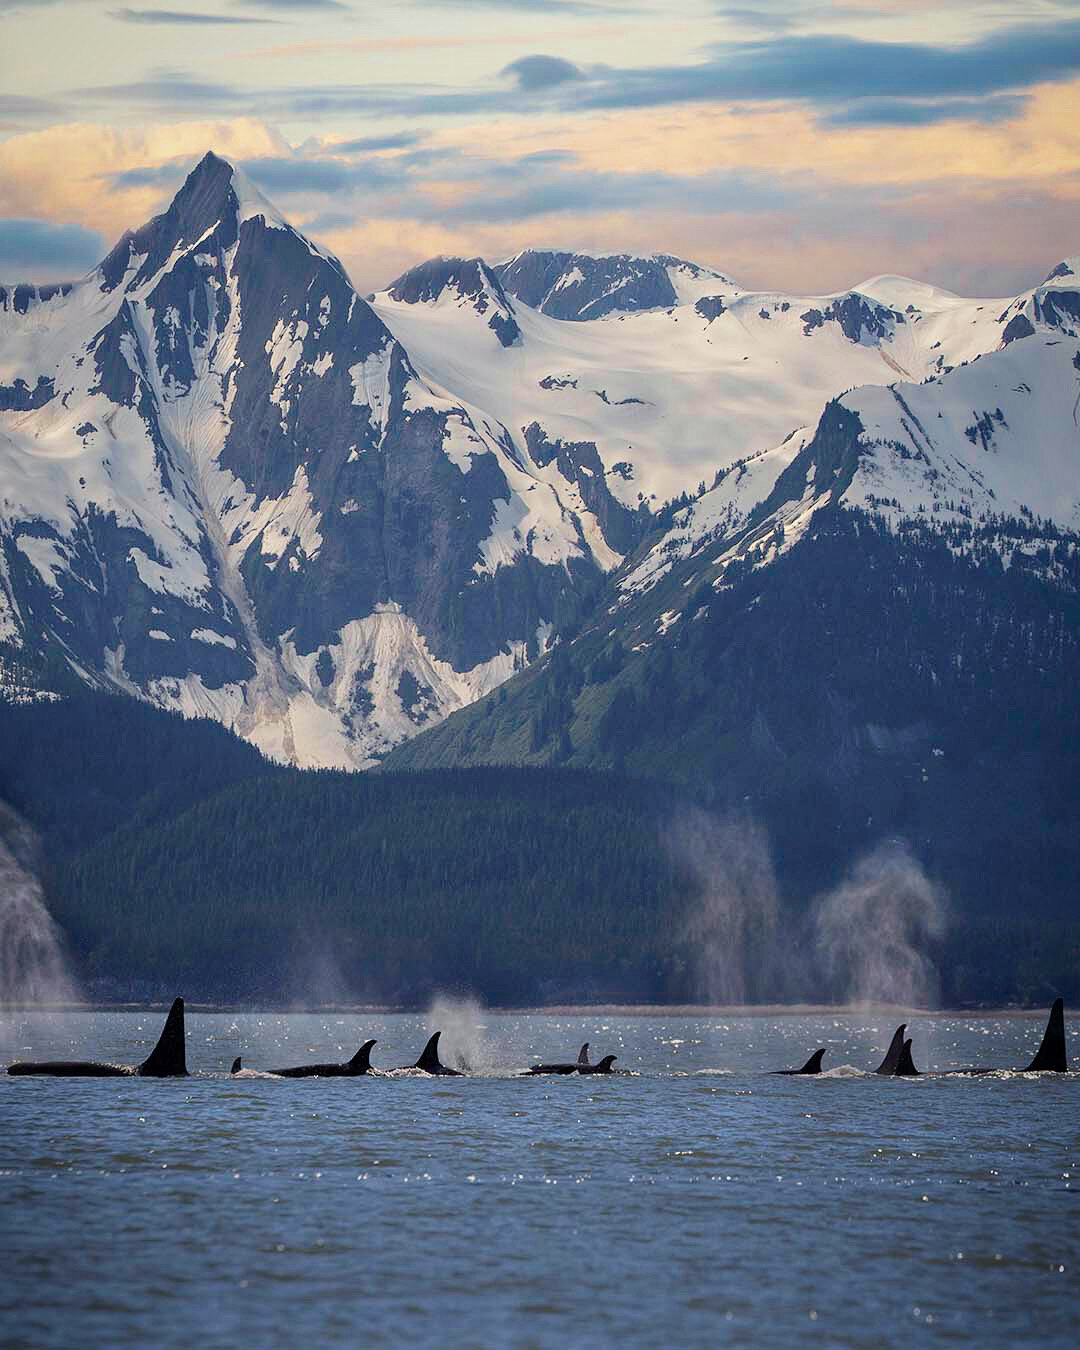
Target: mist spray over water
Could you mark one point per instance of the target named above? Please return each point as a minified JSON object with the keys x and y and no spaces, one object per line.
{"x":464,"y":1043}
{"x":32,"y":965}
{"x":874,"y":930}
{"x":732,"y":930}
{"x":868,"y":941}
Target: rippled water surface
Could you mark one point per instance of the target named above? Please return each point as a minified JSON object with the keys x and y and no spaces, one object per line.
{"x":694,"y":1201}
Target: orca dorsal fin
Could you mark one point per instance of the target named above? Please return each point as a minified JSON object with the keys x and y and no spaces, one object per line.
{"x":605,"y":1064}
{"x":1051,"y":1054}
{"x":167,"y":1059}
{"x":235,"y":1065}
{"x":583,"y":1054}
{"x":361,"y":1061}
{"x":429,"y":1061}
{"x":895,"y":1050}
{"x":905,"y":1067}
{"x":813,"y":1064}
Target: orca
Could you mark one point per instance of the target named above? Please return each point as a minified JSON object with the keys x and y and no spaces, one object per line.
{"x":905,"y":1067}
{"x":604,"y":1065}
{"x":582,"y":1059}
{"x":352,"y":1068}
{"x":888,"y":1065}
{"x":812,"y":1065}
{"x":1051,"y":1056}
{"x":429,"y":1061}
{"x":166,"y":1060}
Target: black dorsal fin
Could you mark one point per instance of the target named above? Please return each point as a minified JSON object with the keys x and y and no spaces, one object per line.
{"x":813,"y":1064}
{"x":167,"y":1059}
{"x":235,"y":1065}
{"x":1051,"y":1055}
{"x":361,"y":1061}
{"x":905,"y":1067}
{"x":605,"y":1064}
{"x":895,"y":1050}
{"x":583,"y":1054}
{"x":429,"y":1061}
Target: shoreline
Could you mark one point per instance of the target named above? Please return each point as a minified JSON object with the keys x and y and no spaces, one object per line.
{"x":675,"y":1010}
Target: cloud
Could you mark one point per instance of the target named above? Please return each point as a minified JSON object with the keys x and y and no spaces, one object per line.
{"x":905,"y":112}
{"x":149,"y":176}
{"x":829,"y":72}
{"x":283,"y":174}
{"x":23,"y":106}
{"x":531,"y":73}
{"x":554,"y":190}
{"x":40,"y":248}
{"x":180,"y":16}
{"x":589,"y":7}
{"x":299,"y":4}
{"x":167,"y":89}
{"x":835,"y":69}
{"x":399,"y":140}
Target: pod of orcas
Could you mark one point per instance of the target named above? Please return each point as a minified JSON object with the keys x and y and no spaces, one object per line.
{"x":168,"y":1059}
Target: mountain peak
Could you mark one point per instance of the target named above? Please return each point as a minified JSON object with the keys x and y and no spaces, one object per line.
{"x":582,"y":285}
{"x":1068,"y":267}
{"x":471,"y":281}
{"x":214,"y":196}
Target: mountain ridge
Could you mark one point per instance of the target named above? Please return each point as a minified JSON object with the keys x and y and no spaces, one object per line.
{"x":234,"y":487}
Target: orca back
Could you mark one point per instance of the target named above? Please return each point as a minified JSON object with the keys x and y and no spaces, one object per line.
{"x":1051,"y":1054}
{"x":167,"y":1059}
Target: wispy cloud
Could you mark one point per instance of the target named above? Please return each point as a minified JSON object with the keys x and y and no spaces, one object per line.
{"x":165,"y":89}
{"x":298,"y":5}
{"x":835,"y":69}
{"x":40,"y":247}
{"x":182,"y":16}
{"x":398,"y":140}
{"x":906,"y":112}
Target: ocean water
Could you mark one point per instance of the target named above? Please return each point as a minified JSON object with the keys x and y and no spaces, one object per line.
{"x":693,"y":1201}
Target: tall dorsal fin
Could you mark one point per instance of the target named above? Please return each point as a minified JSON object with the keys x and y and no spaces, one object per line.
{"x":905,"y":1067}
{"x":813,"y":1064}
{"x":361,"y":1061}
{"x":583,"y":1054}
{"x":895,"y":1050}
{"x":167,"y":1059}
{"x":1051,"y":1055}
{"x":235,"y":1065}
{"x":605,"y":1064}
{"x":429,"y":1061}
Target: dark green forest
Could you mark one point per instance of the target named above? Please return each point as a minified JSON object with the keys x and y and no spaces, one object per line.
{"x":232,"y":879}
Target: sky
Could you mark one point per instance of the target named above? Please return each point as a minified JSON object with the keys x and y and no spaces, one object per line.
{"x":793,"y":145}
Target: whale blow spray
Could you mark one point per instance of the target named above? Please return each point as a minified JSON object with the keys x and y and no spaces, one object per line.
{"x":32,"y":965}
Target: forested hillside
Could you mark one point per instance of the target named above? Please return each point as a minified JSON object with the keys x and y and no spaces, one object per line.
{"x":178,"y":859}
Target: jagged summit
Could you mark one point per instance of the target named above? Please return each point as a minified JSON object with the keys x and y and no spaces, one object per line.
{"x":1066,"y":269}
{"x":580,"y":285}
{"x":213,"y":203}
{"x":466,"y":281}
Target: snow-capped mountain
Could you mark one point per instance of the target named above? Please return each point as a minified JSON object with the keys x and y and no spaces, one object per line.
{"x":902,"y":573}
{"x":231,"y":485}
{"x":668,"y":371}
{"x":225,"y":487}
